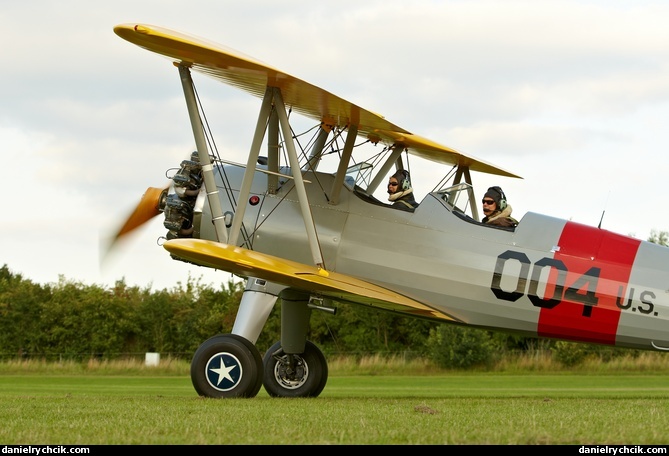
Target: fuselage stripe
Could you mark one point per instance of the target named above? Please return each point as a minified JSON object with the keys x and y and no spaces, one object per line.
{"x":588,"y":311}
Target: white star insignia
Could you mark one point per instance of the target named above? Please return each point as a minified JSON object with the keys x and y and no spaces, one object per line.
{"x":223,"y":372}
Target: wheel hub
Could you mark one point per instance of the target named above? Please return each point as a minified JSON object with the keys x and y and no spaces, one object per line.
{"x":291,"y":375}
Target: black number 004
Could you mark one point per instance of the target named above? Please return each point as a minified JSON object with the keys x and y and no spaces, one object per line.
{"x":582,"y":290}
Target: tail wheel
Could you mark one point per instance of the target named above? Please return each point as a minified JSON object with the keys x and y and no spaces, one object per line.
{"x":227,"y":365}
{"x":296,"y":375}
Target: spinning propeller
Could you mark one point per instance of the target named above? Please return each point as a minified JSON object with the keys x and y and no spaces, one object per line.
{"x":150,"y":205}
{"x":177,"y":206}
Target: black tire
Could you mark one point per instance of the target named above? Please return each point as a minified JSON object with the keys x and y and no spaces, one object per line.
{"x":308,"y":380}
{"x":238,"y":363}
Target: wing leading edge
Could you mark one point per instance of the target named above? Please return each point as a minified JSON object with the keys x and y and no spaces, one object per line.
{"x":253,"y":76}
{"x":333,"y":285}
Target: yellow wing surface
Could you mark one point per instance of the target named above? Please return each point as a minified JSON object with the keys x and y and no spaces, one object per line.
{"x":253,"y":76}
{"x":339,"y":287}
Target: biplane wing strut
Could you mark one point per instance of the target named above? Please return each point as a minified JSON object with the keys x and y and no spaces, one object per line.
{"x":297,"y":177}
{"x":337,"y":185}
{"x":203,"y":153}
{"x":254,"y":152}
{"x":272,"y":96}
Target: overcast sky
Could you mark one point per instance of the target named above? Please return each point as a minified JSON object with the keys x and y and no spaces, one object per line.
{"x":571,"y":95}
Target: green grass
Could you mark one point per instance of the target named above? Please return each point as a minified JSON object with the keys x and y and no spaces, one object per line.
{"x":127,"y":403}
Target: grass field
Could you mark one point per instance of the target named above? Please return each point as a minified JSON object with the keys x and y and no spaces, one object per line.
{"x":125,"y":404}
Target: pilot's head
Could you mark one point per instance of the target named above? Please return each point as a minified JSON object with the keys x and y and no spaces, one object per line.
{"x":493,"y":200}
{"x":399,"y":182}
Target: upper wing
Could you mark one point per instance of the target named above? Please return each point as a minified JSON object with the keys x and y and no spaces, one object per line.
{"x":337,"y":286}
{"x":254,"y":76}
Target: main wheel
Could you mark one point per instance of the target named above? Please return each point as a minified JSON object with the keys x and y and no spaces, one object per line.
{"x":298,"y":375}
{"x":227,"y":365}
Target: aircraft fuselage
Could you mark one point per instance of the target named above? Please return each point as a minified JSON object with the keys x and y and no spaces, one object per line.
{"x":547,"y":278}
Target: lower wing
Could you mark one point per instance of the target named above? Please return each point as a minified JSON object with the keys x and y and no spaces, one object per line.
{"x":333,"y":285}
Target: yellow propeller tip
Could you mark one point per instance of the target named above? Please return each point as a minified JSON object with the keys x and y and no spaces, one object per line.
{"x":323,"y":273}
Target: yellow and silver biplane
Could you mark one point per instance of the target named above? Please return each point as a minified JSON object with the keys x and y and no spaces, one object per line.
{"x":313,"y":238}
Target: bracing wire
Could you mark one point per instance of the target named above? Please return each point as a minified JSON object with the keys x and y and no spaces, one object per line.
{"x":247,"y":238}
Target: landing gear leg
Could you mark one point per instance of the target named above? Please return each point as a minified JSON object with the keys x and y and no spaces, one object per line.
{"x":257,"y":303}
{"x":294,"y":367}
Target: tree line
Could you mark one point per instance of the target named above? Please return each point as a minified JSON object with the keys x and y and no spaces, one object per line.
{"x":71,"y":319}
